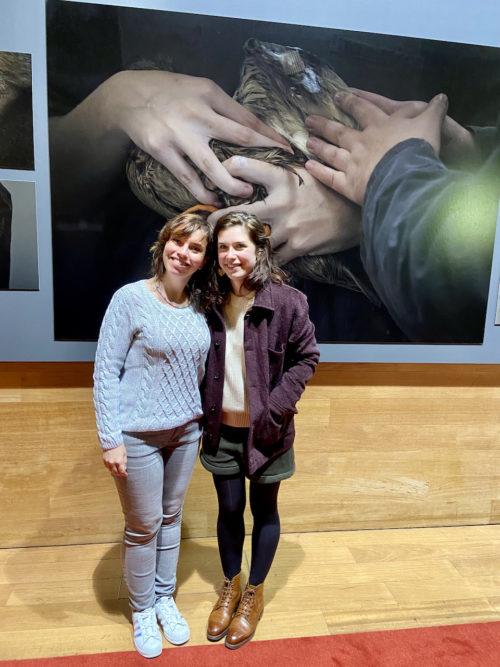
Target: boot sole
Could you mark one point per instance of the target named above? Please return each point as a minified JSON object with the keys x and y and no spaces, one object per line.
{"x":235,"y":646}
{"x":215,"y":638}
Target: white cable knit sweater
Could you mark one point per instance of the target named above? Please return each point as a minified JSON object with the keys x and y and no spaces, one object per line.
{"x":150,"y":361}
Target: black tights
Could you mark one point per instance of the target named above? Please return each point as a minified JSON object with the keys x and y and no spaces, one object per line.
{"x":231,"y":493}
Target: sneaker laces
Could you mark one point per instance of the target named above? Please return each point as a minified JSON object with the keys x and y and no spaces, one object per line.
{"x":168,"y":612}
{"x":145,"y":622}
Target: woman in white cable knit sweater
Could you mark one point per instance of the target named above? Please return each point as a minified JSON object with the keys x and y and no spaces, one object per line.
{"x":149,"y":364}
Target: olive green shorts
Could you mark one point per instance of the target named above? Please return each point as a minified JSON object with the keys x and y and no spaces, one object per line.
{"x":230,"y":458}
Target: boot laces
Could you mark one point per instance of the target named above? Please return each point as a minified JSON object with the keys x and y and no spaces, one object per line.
{"x":246,"y":603}
{"x":226,"y":594}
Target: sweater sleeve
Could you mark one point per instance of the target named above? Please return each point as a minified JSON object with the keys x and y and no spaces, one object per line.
{"x":485,"y":139}
{"x":115,"y":338}
{"x":301,"y":358}
{"x":428,"y":235}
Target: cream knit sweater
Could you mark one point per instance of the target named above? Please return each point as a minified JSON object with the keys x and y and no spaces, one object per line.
{"x":234,"y":401}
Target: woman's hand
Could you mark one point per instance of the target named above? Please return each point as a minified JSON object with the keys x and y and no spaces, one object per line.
{"x":115,"y":460}
{"x":305,"y":219}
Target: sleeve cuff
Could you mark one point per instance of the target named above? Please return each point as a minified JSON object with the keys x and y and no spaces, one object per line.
{"x":111,"y":441}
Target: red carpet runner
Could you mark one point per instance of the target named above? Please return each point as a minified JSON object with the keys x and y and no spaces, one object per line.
{"x":469,"y":645}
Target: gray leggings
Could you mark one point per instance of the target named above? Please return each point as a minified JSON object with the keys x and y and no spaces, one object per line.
{"x":159,"y":467}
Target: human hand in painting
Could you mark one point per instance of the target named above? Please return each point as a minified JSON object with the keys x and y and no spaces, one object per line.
{"x":305,"y":218}
{"x":457,"y":143}
{"x":171,"y":116}
{"x":351,"y":155}
{"x":115,"y":460}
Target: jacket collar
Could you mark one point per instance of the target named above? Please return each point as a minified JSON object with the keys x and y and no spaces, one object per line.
{"x":263,"y":299}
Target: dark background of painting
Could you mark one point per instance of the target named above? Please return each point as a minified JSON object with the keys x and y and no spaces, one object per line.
{"x":97,"y":252}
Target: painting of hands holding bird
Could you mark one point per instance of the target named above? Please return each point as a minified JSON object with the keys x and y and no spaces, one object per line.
{"x":374,"y":160}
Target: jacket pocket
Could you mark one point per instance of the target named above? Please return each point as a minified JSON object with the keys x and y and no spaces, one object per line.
{"x":276,"y":363}
{"x":271,"y":429}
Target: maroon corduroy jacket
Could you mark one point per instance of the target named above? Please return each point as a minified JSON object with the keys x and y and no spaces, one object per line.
{"x":280,"y":357}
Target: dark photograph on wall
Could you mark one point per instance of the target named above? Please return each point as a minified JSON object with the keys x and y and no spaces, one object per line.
{"x":497,"y":312}
{"x":149,"y":113}
{"x":5,"y":235}
{"x":18,"y":236}
{"x":16,"y":111}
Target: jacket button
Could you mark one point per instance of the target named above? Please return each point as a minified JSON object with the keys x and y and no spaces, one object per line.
{"x":217,"y":343}
{"x":210,"y":437}
{"x":216,"y":376}
{"x":212,"y":409}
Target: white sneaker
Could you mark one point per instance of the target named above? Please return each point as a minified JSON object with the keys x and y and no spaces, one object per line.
{"x":147,"y":636}
{"x":174,"y":626}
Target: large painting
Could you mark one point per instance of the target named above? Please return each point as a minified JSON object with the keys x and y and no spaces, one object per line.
{"x":118,"y":170}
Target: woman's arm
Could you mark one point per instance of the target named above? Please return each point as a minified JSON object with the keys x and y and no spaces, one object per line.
{"x":114,"y":342}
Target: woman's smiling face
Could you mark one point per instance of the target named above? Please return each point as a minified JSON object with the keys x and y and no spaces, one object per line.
{"x":236,"y":253}
{"x":184,"y":254}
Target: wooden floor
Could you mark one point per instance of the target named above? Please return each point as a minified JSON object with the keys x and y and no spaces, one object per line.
{"x":391,"y":452}
{"x":64,"y":600}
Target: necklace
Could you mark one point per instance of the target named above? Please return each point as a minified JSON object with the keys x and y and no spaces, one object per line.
{"x":163,"y":296}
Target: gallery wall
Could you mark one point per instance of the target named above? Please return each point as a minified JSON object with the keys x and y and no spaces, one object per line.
{"x":27,"y":332}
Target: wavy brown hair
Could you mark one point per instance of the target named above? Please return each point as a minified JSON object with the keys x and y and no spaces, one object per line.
{"x":265,"y":270}
{"x":200,"y":287}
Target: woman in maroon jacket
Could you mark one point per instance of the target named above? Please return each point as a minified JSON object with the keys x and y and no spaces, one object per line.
{"x":263,"y":351}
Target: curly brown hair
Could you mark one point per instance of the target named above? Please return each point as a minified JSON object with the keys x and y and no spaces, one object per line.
{"x":200,"y":287}
{"x":266,"y":269}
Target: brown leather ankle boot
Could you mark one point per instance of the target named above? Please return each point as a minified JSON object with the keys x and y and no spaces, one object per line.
{"x":223,"y":610}
{"x":247,"y":616}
